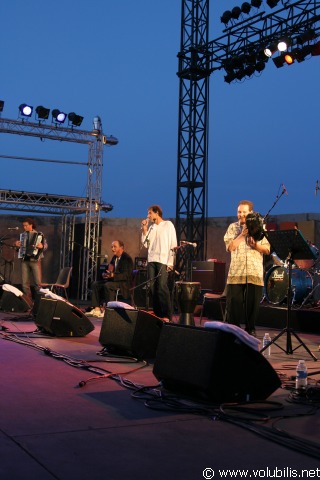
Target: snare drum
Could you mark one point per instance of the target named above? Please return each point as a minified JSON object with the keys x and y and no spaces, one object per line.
{"x":187,"y":294}
{"x":307,"y":264}
{"x":277,"y":282}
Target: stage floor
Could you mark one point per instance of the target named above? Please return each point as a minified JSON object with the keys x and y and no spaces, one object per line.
{"x":51,"y":428}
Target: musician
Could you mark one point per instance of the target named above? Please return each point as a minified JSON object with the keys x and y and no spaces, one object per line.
{"x":245,"y":277}
{"x":161,"y":240}
{"x":31,"y":246}
{"x":117,"y":278}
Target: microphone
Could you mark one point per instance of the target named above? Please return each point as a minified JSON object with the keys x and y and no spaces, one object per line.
{"x":13,"y":228}
{"x":183,"y":242}
{"x":284,"y":190}
{"x":317,"y":188}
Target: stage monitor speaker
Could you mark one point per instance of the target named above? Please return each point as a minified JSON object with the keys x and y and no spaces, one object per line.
{"x":62,"y":319}
{"x":12,"y":303}
{"x":212,"y":365}
{"x":133,"y":332}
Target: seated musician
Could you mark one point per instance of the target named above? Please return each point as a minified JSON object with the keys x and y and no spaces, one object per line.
{"x":31,"y":246}
{"x":116,"y":280}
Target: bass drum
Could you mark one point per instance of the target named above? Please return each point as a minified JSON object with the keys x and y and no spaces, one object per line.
{"x":277,"y":282}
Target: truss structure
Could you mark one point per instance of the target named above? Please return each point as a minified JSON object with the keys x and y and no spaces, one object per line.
{"x":90,"y":206}
{"x":198,"y":58}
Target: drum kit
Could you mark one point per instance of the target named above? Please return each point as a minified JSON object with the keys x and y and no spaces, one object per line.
{"x":304,"y":280}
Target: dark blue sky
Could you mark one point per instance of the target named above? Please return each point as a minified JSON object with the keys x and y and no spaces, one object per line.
{"x":118,"y":60}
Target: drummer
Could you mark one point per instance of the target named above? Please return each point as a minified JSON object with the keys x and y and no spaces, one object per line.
{"x":159,"y":237}
{"x":245,"y":277}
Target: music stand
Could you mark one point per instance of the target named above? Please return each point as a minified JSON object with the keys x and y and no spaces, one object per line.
{"x":289,"y":245}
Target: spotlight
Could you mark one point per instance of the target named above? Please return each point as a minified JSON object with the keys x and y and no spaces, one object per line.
{"x":25,"y":110}
{"x":58,"y":117}
{"x":283,"y":44}
{"x":229,"y":77}
{"x":226,"y":17}
{"x":256,"y":3}
{"x":315,"y":49}
{"x":279,"y":61}
{"x":42,"y":112}
{"x":235,"y":12}
{"x":245,"y":7}
{"x":1,"y":105}
{"x":289,"y":58}
{"x":75,"y":119}
{"x":272,"y":3}
{"x":306,"y":36}
{"x":260,"y":66}
{"x":270,"y":50}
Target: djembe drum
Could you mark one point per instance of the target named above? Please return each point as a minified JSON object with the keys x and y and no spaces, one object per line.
{"x":187,"y":295}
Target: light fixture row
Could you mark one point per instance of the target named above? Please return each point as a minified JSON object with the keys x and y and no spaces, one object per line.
{"x":58,"y":116}
{"x":289,"y":50}
{"x":245,"y":8}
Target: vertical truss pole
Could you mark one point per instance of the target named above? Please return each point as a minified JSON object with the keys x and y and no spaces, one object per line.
{"x":92,"y":219}
{"x":191,"y":200}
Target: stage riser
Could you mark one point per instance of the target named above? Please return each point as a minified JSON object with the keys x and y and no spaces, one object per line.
{"x":303,"y":320}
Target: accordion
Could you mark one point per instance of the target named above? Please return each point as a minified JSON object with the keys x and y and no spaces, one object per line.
{"x":29,"y":242}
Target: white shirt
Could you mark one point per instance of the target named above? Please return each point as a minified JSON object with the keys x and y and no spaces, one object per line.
{"x":161,"y":239}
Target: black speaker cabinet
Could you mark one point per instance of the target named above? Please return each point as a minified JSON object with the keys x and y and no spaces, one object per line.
{"x":133,"y":332}
{"x":62,"y":319}
{"x":213,"y":365}
{"x":11,"y":303}
{"x":140,"y":293}
{"x":211,"y":275}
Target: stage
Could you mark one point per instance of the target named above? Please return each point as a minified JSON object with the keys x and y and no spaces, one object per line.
{"x":112,"y":428}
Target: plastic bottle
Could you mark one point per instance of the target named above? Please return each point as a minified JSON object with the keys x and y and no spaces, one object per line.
{"x":266,"y":341}
{"x":301,"y":376}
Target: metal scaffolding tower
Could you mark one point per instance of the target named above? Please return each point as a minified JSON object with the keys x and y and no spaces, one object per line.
{"x":191,"y":201}
{"x":68,"y":207}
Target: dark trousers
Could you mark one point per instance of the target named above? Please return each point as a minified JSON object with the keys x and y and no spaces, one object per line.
{"x":103,"y":291}
{"x":243,"y":302}
{"x":158,"y":277}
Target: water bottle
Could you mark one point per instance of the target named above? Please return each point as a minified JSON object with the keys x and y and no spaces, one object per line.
{"x":266,"y":341}
{"x":301,"y":376}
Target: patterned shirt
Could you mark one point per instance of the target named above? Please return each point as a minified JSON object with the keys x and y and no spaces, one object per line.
{"x":246,"y":264}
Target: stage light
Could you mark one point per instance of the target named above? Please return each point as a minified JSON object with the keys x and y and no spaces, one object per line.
{"x":315,"y":49}
{"x":256,"y":3}
{"x":278,"y":61}
{"x":289,"y":58}
{"x":235,"y":12}
{"x":1,"y":105}
{"x":306,"y":36}
{"x":42,"y":112}
{"x":272,"y":3}
{"x":229,"y":77}
{"x":75,"y":119}
{"x":25,"y":110}
{"x":260,"y":66}
{"x":226,"y":17}
{"x":270,"y":50}
{"x":245,"y":7}
{"x":283,"y":44}
{"x":58,"y":117}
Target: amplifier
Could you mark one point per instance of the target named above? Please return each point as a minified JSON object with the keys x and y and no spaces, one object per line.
{"x":211,"y":275}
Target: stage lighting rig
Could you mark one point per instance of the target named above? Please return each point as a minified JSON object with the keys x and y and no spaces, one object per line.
{"x":1,"y":105}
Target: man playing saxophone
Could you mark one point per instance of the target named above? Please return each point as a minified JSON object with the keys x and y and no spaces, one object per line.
{"x":31,"y":246}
